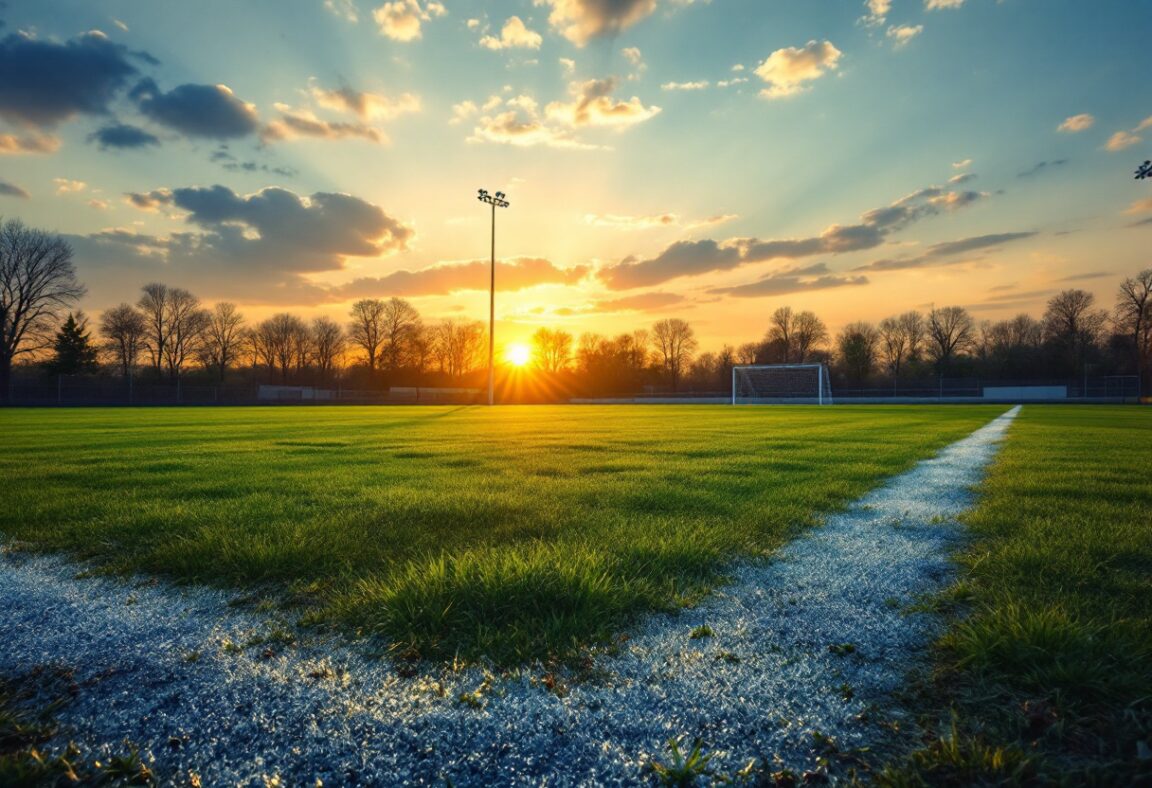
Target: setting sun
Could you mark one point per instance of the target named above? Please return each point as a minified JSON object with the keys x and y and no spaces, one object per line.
{"x":518,"y":354}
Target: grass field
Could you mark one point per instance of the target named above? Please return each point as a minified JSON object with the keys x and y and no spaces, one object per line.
{"x":512,"y":533}
{"x":1047,"y":677}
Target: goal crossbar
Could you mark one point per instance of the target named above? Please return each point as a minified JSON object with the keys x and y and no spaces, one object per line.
{"x":781,"y":383}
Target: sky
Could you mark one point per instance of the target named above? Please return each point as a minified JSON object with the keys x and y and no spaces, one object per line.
{"x":708,"y":160}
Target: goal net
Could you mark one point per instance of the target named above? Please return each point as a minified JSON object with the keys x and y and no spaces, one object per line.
{"x":773,"y":384}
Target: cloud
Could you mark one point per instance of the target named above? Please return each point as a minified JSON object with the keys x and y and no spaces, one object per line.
{"x":902,"y":34}
{"x":691,"y":258}
{"x":364,"y":105}
{"x":963,"y":177}
{"x":619,"y":222}
{"x":514,"y":35}
{"x":1145,"y":124}
{"x":1085,"y":276}
{"x":1077,"y":123}
{"x":66,"y":186}
{"x":937,"y":5}
{"x":796,"y":280}
{"x":345,"y":9}
{"x":149,"y":201}
{"x":1121,"y":140}
{"x":205,"y":111}
{"x":10,"y":144}
{"x":402,"y":20}
{"x":592,"y":104}
{"x":1040,"y":167}
{"x":641,"y":302}
{"x":698,"y":85}
{"x":121,"y":136}
{"x":523,"y":124}
{"x":44,"y":83}
{"x":12,"y":190}
{"x":580,"y":21}
{"x":960,"y":165}
{"x":786,"y":71}
{"x":1140,"y":206}
{"x":516,"y":273}
{"x":937,"y":253}
{"x":294,"y":124}
{"x":877,"y":12}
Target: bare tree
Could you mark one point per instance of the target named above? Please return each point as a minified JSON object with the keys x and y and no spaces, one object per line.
{"x":175,"y":326}
{"x":857,"y":345}
{"x":285,"y":343}
{"x":366,"y":331}
{"x":400,"y":325}
{"x":1072,"y":328}
{"x":950,"y":332}
{"x":459,"y":346}
{"x":1133,"y":317}
{"x":37,"y":281}
{"x":780,"y":333}
{"x":123,"y":330}
{"x":551,"y":349}
{"x":746,"y":353}
{"x":328,"y":344}
{"x":901,"y":339}
{"x":223,"y":333}
{"x":675,"y":342}
{"x":808,"y":334}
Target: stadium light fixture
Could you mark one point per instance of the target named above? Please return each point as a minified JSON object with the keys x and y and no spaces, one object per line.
{"x":1144,"y":171}
{"x":496,"y":201}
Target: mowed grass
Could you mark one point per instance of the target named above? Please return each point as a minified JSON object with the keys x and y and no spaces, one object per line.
{"x":510,"y":533}
{"x":1048,"y":678}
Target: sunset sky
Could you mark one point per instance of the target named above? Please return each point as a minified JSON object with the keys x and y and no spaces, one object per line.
{"x":704,"y":160}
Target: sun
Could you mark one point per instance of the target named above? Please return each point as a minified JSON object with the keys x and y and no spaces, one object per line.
{"x":517,"y":354}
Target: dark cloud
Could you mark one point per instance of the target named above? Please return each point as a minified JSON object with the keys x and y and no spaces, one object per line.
{"x":1142,"y":223}
{"x":121,"y":135}
{"x":12,"y":190}
{"x":689,"y":258}
{"x":207,"y":111}
{"x":43,"y":83}
{"x":256,"y":247}
{"x":514,"y":274}
{"x":1086,"y":276}
{"x":1040,"y":167}
{"x":937,"y":254}
{"x":278,"y":228}
{"x":583,"y":20}
{"x":795,"y":280}
{"x":642,"y":302}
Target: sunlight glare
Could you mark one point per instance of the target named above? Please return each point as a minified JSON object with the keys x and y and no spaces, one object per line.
{"x":518,"y":355}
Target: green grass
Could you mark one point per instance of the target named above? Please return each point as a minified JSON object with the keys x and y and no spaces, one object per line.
{"x":1048,"y":679}
{"x":511,"y":533}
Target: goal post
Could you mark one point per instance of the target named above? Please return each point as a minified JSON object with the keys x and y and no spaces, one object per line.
{"x":781,"y":384}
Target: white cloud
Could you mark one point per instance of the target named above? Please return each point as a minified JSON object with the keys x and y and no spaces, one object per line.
{"x":569,"y":66}
{"x":698,"y":85}
{"x":1121,"y":140}
{"x":592,"y":104}
{"x":65,"y":186}
{"x":1076,"y":123}
{"x":367,"y":106}
{"x":902,"y":34}
{"x":959,"y":165}
{"x":937,"y":5}
{"x":345,"y":9}
{"x":787,"y":70}
{"x":514,"y":35}
{"x":582,"y":20}
{"x":877,"y":12}
{"x":401,"y":20}
{"x":1145,"y":124}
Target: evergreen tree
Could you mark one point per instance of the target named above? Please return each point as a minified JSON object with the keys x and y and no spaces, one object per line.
{"x":73,"y":353}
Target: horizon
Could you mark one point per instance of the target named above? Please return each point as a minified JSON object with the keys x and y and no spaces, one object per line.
{"x":662,"y":159}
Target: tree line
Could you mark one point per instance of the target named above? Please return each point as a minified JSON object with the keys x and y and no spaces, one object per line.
{"x":167,"y":333}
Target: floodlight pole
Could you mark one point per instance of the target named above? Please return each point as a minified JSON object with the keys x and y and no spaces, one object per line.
{"x":496,"y":201}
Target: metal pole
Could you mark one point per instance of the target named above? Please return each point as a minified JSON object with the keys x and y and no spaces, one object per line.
{"x":492,"y":313}
{"x":733,"y":384}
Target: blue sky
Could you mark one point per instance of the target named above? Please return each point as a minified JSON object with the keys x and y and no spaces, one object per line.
{"x":708,"y":160}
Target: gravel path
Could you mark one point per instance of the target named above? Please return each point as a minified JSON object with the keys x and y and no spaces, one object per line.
{"x":807,"y":642}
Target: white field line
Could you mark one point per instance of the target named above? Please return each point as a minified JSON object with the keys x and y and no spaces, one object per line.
{"x":757,"y":688}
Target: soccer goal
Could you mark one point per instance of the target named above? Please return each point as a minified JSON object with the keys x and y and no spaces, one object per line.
{"x":778,"y":384}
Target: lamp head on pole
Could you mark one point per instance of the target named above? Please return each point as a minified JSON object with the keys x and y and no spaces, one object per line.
{"x":496,"y":200}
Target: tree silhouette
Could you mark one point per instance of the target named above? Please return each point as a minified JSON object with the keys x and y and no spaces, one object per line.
{"x":73,"y":352}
